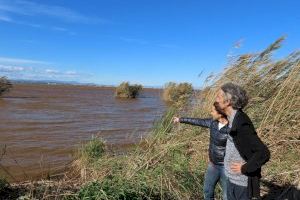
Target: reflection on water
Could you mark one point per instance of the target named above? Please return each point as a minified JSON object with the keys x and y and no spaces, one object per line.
{"x":41,"y":125}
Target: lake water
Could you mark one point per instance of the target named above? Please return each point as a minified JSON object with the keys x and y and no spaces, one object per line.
{"x":41,"y":126}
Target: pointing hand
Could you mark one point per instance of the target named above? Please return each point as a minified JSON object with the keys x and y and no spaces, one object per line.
{"x":175,"y":120}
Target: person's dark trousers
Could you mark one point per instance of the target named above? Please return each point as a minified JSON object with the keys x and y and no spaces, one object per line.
{"x":236,"y":192}
{"x":214,"y":174}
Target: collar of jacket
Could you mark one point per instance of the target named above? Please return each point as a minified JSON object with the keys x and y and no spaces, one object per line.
{"x":239,"y":119}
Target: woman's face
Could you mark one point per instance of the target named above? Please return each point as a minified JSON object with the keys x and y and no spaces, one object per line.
{"x":215,"y":115}
{"x":221,"y":100}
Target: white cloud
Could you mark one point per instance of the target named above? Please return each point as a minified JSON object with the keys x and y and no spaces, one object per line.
{"x":12,"y":11}
{"x":8,"y":68}
{"x":51,"y":71}
{"x":39,"y":26}
{"x":23,"y":7}
{"x":19,"y":68}
{"x":35,"y":73}
{"x":16,"y":61}
{"x":71,"y":73}
{"x":8,"y":19}
{"x":61,"y":74}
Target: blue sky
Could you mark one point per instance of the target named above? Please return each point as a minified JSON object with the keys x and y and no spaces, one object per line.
{"x":142,"y":41}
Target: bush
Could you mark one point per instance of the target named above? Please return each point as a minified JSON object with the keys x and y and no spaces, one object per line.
{"x":177,"y":94}
{"x":93,"y":150}
{"x":125,"y":90}
{"x":5,"y":85}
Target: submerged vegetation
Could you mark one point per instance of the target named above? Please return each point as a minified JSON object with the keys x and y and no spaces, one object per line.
{"x":177,"y":94}
{"x":5,"y":85}
{"x":125,"y":90}
{"x":171,"y":162}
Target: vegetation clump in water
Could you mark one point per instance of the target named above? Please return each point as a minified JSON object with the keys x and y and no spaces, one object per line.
{"x":125,"y":90}
{"x":5,"y":85}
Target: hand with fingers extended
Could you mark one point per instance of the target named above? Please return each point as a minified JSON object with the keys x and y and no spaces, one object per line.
{"x":176,"y":120}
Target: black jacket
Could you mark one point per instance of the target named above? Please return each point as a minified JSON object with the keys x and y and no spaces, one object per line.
{"x":251,"y":148}
{"x":218,"y":138}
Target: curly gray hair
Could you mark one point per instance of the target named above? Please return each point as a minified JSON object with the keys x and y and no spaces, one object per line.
{"x":236,"y":95}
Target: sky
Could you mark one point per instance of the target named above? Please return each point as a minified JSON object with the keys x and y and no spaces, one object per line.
{"x":150,"y":42}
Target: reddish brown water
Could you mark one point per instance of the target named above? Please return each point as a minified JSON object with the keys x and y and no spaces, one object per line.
{"x":42,"y":125}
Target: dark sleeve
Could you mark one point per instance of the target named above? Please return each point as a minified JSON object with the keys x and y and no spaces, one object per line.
{"x":260,"y":155}
{"x":196,"y":121}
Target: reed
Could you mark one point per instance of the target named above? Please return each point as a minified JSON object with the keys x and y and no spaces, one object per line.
{"x":177,"y":94}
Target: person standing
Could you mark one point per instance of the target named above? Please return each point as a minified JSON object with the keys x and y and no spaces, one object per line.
{"x":218,"y":126}
{"x":245,"y":152}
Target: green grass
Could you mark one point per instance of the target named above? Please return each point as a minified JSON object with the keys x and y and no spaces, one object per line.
{"x":94,"y":149}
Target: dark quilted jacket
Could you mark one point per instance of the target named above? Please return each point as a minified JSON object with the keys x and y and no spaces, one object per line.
{"x":218,"y":138}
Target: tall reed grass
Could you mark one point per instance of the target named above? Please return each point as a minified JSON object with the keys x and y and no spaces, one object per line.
{"x":177,"y":94}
